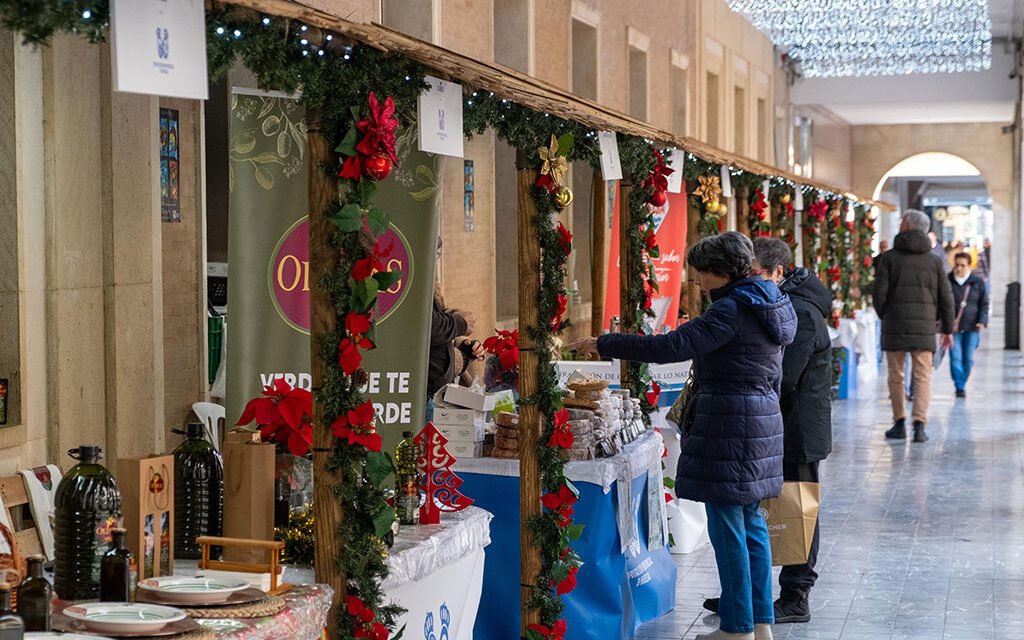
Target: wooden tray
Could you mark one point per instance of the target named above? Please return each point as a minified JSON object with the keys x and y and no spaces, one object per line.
{"x":61,"y":622}
{"x":245,"y":596}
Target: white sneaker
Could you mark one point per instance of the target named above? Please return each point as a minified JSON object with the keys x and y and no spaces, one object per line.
{"x":763,"y":632}
{"x":725,"y":635}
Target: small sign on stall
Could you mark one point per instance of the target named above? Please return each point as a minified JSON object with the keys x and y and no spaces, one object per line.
{"x":159,"y":47}
{"x":440,"y":118}
{"x":676,"y":160}
{"x":611,"y":168}
{"x":726,"y":181}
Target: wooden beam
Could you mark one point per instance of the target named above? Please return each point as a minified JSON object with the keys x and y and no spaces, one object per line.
{"x":327,"y":514}
{"x":625,"y":268}
{"x":743,"y":209}
{"x":530,"y":419}
{"x":521,"y":88}
{"x":598,"y":254}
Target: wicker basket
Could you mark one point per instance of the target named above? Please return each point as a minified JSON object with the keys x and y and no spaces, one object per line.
{"x":12,"y":565}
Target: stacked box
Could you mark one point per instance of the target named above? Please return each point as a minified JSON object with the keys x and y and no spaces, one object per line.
{"x":462,"y":418}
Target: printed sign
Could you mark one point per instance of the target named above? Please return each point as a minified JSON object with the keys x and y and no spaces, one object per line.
{"x":170,"y":166}
{"x":726,"y":181}
{"x":611,"y":168}
{"x":676,"y":160}
{"x":440,"y":118}
{"x":159,"y":47}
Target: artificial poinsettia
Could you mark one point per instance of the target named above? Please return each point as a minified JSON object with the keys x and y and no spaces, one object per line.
{"x":284,"y":416}
{"x":358,"y":427}
{"x":561,"y":436}
{"x":760,"y":205}
{"x":560,"y":502}
{"x":818,"y":210}
{"x":349,"y":358}
{"x":365,"y":627}
{"x":379,"y":129}
{"x":564,"y":238}
{"x":366,"y":267}
{"x":554,"y":632}
{"x":357,"y":323}
{"x":658,"y":178}
{"x":504,"y":345}
{"x":546,"y":182}
{"x":653,"y":395}
{"x":556,"y":321}
{"x":352,"y":168}
{"x":569,"y":583}
{"x":651,"y":239}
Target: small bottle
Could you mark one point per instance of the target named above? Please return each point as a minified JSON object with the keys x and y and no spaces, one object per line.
{"x":116,"y":570}
{"x":34,"y":595}
{"x":407,"y":485}
{"x":11,"y":625}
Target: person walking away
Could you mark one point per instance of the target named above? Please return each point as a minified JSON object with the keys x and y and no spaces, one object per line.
{"x":883,"y":246}
{"x":970,"y":298}
{"x":731,"y":455}
{"x":911,"y":291}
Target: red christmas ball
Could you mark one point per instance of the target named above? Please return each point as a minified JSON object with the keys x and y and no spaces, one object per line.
{"x":658,"y":199}
{"x":377,"y":167}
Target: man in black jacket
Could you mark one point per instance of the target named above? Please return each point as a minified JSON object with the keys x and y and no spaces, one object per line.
{"x":970,"y":297}
{"x":806,"y":404}
{"x":911,"y":292}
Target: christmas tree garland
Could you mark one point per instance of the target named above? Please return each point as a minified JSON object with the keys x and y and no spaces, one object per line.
{"x":864,"y":256}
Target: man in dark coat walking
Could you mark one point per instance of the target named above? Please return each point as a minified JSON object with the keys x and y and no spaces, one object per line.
{"x":970,"y":298}
{"x":912,"y":292}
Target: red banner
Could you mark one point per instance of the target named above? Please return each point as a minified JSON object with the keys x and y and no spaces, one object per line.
{"x":670,"y":227}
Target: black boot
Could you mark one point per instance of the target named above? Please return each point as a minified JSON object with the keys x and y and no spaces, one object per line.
{"x":789,"y":610}
{"x":711,"y":604}
{"x":898,"y":430}
{"x":919,"y":434}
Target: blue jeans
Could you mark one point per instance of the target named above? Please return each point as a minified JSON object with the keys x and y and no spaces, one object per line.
{"x":961,"y":357}
{"x":743,"y":553}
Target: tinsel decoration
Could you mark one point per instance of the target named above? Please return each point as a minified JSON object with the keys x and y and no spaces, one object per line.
{"x":297,"y":537}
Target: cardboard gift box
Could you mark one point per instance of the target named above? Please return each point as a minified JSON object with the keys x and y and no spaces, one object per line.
{"x":457,"y":416}
{"x":147,"y":506}
{"x":465,"y":449}
{"x":468,"y":398}
{"x":462,"y":433}
{"x":249,"y":468}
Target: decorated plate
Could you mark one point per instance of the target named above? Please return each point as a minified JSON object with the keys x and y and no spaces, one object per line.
{"x":53,"y":635}
{"x":195,"y":591}
{"x":122,"y":617}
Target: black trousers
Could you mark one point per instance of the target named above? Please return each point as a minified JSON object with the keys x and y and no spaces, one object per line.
{"x":796,"y":580}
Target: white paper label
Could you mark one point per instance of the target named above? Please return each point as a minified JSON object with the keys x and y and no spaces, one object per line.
{"x":611,"y":169}
{"x":440,"y":118}
{"x":726,"y":182}
{"x":798,"y":199}
{"x":766,"y":189}
{"x":676,"y":160}
{"x":159,"y":47}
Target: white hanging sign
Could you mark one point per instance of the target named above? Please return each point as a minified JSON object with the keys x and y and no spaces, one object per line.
{"x":439,"y":114}
{"x":611,"y":168}
{"x":766,"y":189}
{"x":676,"y":160}
{"x":158,"y":47}
{"x":726,"y":182}
{"x":798,"y":199}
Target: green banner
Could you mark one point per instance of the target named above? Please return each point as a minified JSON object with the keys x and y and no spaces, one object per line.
{"x":268,"y":283}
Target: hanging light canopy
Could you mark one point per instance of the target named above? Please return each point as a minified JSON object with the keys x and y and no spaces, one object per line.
{"x":876,"y":37}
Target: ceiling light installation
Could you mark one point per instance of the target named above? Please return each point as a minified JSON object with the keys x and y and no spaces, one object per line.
{"x":876,"y":37}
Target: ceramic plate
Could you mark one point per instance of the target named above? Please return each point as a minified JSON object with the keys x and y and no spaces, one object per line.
{"x":193,"y":590}
{"x":53,"y":635}
{"x":119,"y":617}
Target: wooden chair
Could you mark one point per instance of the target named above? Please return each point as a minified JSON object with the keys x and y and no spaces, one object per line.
{"x":15,"y":496}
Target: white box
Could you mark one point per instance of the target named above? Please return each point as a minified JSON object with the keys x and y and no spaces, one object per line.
{"x":456,"y":417}
{"x":466,"y":449}
{"x":466,"y":397}
{"x":462,"y":433}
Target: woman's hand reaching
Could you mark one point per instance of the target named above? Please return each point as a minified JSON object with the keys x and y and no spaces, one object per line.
{"x":584,"y":346}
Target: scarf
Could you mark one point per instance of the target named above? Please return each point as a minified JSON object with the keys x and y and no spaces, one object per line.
{"x":960,"y":281}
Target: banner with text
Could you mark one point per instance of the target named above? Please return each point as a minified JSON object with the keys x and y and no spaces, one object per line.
{"x":268,"y":283}
{"x":670,"y":226}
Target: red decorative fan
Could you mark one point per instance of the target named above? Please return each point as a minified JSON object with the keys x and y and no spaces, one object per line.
{"x":439,"y":482}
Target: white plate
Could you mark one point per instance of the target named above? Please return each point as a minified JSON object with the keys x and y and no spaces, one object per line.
{"x":121,"y":617}
{"x":54,"y":635}
{"x":193,"y":590}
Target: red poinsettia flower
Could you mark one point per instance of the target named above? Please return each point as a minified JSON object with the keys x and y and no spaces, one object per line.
{"x":555,"y":632}
{"x":379,"y":129}
{"x":658,"y":178}
{"x":867,"y":262}
{"x":375,"y":631}
{"x":358,"y":609}
{"x":546,"y":182}
{"x":569,"y":583}
{"x":556,"y":322}
{"x":366,"y":267}
{"x":564,"y":238}
{"x":352,"y":169}
{"x":818,"y":211}
{"x":283,"y":415}
{"x":357,"y":323}
{"x":760,"y":205}
{"x":357,"y":426}
{"x":653,"y":395}
{"x":650,"y":240}
{"x":560,"y":502}
{"x":504,"y":345}
{"x":562,"y":434}
{"x":349,"y":357}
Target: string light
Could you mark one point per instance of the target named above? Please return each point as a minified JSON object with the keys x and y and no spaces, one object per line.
{"x":87,"y":15}
{"x":220,"y":31}
{"x":266,"y":21}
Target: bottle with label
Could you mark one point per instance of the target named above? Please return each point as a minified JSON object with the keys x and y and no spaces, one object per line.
{"x":11,"y":625}
{"x":116,"y":570}
{"x":407,"y":480}
{"x":88,"y":506}
{"x":34,"y":596}
{"x":198,"y":492}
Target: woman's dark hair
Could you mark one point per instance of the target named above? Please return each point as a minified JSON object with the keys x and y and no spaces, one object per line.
{"x":963,"y":255}
{"x":772,"y":253}
{"x":730,"y":255}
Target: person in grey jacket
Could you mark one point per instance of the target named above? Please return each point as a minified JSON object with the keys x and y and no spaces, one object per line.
{"x":911,"y":292}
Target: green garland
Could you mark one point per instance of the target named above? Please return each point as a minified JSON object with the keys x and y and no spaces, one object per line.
{"x":38,"y":20}
{"x":864,"y":256}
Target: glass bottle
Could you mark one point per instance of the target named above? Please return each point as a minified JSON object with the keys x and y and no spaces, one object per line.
{"x":34,"y":596}
{"x":116,"y":570}
{"x":11,"y":625}
{"x":88,"y":506}
{"x":407,"y":480}
{"x":198,"y":492}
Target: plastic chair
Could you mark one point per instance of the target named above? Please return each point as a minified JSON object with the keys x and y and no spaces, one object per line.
{"x":210,"y":414}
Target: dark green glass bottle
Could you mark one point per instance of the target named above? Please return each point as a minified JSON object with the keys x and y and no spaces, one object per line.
{"x":34,"y":596}
{"x":116,"y":570}
{"x":198,"y":492}
{"x":11,"y":625}
{"x":88,"y":506}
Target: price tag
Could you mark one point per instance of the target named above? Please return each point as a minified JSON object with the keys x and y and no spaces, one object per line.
{"x":766,"y":189}
{"x":611,"y":168}
{"x":676,"y":160}
{"x":726,"y":182}
{"x":440,"y":118}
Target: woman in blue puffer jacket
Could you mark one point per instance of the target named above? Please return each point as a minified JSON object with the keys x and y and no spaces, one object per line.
{"x":731,"y":457}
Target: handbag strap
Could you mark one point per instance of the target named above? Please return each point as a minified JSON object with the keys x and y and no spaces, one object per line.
{"x":960,"y":311}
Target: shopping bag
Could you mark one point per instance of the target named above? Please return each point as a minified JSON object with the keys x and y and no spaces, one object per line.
{"x":248,"y":494}
{"x":791,"y":518}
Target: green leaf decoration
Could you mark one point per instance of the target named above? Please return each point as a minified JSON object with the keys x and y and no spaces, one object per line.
{"x":385,"y":279}
{"x":377,"y":220}
{"x":350,"y":218}
{"x":378,"y":466}
{"x":383,"y":518}
{"x":347,"y":146}
{"x":366,"y":190}
{"x":574,"y":531}
{"x":565,"y":144}
{"x":669,"y":483}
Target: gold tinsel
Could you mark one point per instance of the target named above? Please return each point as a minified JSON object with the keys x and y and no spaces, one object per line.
{"x":297,"y":537}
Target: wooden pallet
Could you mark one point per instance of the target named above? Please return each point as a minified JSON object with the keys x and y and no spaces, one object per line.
{"x":15,"y":496}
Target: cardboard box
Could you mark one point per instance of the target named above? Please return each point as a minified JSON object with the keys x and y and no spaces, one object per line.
{"x":465,"y":449}
{"x":248,"y":494}
{"x":462,"y":433}
{"x":457,"y":416}
{"x":147,"y":506}
{"x":466,"y":397}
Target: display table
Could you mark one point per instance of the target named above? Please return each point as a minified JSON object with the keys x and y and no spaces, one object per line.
{"x":303,"y":618}
{"x":627,"y":577}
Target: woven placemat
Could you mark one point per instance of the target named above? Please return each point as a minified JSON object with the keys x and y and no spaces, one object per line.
{"x":269,"y":606}
{"x":199,"y":634}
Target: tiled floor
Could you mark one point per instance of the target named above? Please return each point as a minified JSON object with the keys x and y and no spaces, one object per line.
{"x":918,"y":541}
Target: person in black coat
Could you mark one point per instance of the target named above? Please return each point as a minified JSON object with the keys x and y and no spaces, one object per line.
{"x":731,"y":455}
{"x":911,"y":292}
{"x":970,"y":298}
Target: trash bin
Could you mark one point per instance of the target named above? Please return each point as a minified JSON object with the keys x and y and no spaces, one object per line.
{"x":1012,"y":333}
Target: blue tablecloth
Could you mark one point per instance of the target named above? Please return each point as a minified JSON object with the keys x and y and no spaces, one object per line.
{"x":617,"y":590}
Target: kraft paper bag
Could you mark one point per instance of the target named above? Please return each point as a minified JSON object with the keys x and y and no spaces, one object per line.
{"x":791,"y":518}
{"x":147,"y":504}
{"x":248,"y":494}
